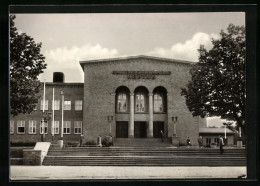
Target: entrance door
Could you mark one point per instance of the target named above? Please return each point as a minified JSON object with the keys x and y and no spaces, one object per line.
{"x":157,"y":127}
{"x":140,"y":129}
{"x":122,"y":129}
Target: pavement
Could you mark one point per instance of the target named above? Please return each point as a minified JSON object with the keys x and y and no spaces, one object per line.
{"x":125,"y":172}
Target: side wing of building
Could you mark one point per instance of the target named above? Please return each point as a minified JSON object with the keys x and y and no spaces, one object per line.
{"x":28,"y":128}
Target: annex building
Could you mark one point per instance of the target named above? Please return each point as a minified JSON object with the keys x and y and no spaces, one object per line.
{"x":131,"y":97}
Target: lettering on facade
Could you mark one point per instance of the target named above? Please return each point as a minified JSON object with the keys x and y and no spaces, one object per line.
{"x":141,"y":74}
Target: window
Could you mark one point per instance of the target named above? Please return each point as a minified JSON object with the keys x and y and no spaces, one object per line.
{"x":158,"y":103}
{"x":44,"y":126}
{"x":216,"y":140}
{"x":78,"y":104}
{"x":56,"y":105}
{"x":32,"y":127}
{"x":11,"y":127}
{"x":46,"y":105}
{"x":66,"y":127}
{"x":20,"y":127}
{"x":121,"y":102}
{"x":67,"y":105}
{"x":139,"y":103}
{"x":77,"y":127}
{"x":56,"y":127}
{"x":208,"y":141}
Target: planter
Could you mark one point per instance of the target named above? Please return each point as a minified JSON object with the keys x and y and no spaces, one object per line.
{"x":239,"y":144}
{"x":213,"y":146}
{"x":175,"y":140}
{"x":60,"y":143}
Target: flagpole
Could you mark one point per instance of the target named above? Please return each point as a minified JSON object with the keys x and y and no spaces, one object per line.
{"x":62,"y":104}
{"x":52,"y":127}
{"x":43,"y":96}
{"x":43,"y":122}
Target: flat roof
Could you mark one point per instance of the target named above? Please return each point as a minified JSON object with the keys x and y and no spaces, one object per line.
{"x":134,"y":57}
{"x":212,"y":130}
{"x":65,"y":84}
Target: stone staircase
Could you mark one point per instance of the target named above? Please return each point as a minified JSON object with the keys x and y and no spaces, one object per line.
{"x":144,"y":156}
{"x":141,"y":142}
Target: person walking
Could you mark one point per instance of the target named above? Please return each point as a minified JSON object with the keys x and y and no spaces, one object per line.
{"x":162,"y":135}
{"x":188,"y":142}
{"x":221,"y":144}
{"x":99,"y":141}
{"x":200,"y":141}
{"x":81,"y":140}
{"x":110,"y":140}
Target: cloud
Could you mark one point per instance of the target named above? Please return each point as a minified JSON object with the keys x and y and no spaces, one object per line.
{"x":67,"y":59}
{"x":66,"y":56}
{"x":217,"y":122}
{"x":186,"y":50}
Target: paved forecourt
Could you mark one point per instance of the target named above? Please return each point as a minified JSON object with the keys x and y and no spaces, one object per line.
{"x":112,"y":172}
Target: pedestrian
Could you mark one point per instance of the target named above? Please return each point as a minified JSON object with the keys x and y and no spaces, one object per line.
{"x":188,"y":142}
{"x":200,"y":141}
{"x":99,"y":141}
{"x":110,"y":140}
{"x":81,"y":139}
{"x":162,"y":135}
{"x":221,"y":144}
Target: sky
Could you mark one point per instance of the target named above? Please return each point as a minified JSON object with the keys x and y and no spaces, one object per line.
{"x":69,"y":38}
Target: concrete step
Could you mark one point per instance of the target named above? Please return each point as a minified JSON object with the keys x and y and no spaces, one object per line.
{"x":148,"y":156}
{"x":146,"y":161}
{"x":142,"y":152}
{"x":141,"y":142}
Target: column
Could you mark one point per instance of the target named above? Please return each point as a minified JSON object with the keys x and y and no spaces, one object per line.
{"x":171,"y":126}
{"x":150,"y":127}
{"x":131,"y":121}
{"x":174,"y":129}
{"x":62,"y":107}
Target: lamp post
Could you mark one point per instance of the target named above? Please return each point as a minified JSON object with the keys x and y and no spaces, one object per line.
{"x":45,"y":118}
{"x":109,"y":119}
{"x":174,"y":120}
{"x":62,"y":105}
{"x":226,"y":124}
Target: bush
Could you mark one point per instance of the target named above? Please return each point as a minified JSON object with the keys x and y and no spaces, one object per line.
{"x":72,"y":144}
{"x":182,"y":144}
{"x":22,"y":144}
{"x":104,"y":143}
{"x":90,"y":143}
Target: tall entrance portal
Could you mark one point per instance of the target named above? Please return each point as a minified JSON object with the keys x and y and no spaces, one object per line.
{"x":157,"y":127}
{"x":140,"y":129}
{"x":122,"y":129}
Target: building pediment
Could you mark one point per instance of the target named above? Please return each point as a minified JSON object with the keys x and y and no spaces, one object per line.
{"x":138,"y":58}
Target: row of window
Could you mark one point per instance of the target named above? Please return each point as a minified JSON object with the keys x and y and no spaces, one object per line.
{"x":66,"y":105}
{"x":44,"y":127}
{"x":139,"y":102}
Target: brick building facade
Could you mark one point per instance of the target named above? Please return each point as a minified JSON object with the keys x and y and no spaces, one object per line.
{"x":132,"y":97}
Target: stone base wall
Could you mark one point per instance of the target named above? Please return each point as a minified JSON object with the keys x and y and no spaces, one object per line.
{"x":32,"y":157}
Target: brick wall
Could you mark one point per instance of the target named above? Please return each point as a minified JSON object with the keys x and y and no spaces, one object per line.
{"x":72,"y":92}
{"x":32,"y":157}
{"x":99,"y":94}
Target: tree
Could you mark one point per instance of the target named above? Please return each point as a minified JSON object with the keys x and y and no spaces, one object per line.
{"x":26,"y":63}
{"x":217,"y":86}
